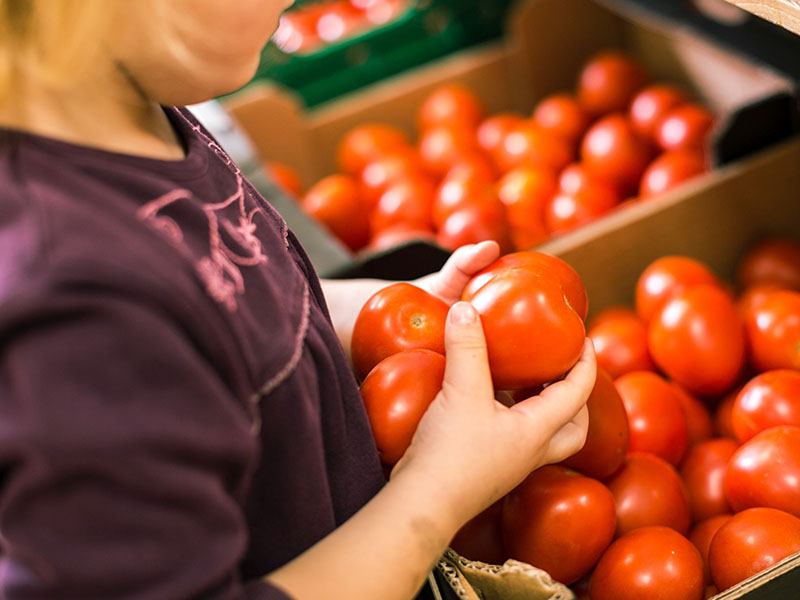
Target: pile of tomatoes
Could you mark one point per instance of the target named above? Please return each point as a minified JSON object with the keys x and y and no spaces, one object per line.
{"x":508,"y":177}
{"x":689,"y":481}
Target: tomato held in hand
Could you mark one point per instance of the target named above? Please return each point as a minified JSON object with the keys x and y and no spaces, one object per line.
{"x":669,"y":170}
{"x":620,"y":342}
{"x":608,"y":436}
{"x":750,"y":542}
{"x":398,"y":317}
{"x":612,"y":150}
{"x":665,"y":277}
{"x":768,"y":400}
{"x":657,"y":421}
{"x":562,"y":115}
{"x":697,"y":338}
{"x":482,"y":537}
{"x":773,"y":332}
{"x":559,"y":521}
{"x":686,"y":127}
{"x":651,"y":563}
{"x":650,"y":105}
{"x":648,"y":491}
{"x":450,"y":104}
{"x":367,"y":143}
{"x":608,"y":82}
{"x":765,"y":471}
{"x":774,"y":261}
{"x":396,"y":394}
{"x":701,"y":536}
{"x":336,"y":202}
{"x":703,"y":472}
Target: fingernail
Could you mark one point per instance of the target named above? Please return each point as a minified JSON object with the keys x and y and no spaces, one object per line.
{"x":462,"y":313}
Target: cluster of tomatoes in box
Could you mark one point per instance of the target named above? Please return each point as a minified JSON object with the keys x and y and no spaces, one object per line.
{"x":689,"y":481}
{"x":515,"y":179}
{"x":310,"y":27}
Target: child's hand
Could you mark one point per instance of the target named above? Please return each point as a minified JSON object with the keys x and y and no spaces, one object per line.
{"x":449,"y":282}
{"x":469,"y":450}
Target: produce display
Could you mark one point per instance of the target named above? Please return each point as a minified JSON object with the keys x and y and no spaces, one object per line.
{"x":689,"y":481}
{"x":518,"y":179}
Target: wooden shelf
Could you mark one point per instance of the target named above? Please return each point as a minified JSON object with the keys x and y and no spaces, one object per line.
{"x":785,"y":13}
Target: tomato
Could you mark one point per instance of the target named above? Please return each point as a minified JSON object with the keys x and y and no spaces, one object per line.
{"x":698,"y":418}
{"x":772,"y":261}
{"x":380,"y":12}
{"x":441,"y":147}
{"x":450,"y":104}
{"x":765,"y":471}
{"x":390,"y":168}
{"x":533,"y":333}
{"x":701,"y":536}
{"x":464,"y":184}
{"x":399,"y":233}
{"x":750,"y":542}
{"x":338,"y":20}
{"x":649,"y":491}
{"x":620,"y":342}
{"x":565,"y":212}
{"x":576,"y":177}
{"x":524,"y":191}
{"x":538,"y":262}
{"x":559,"y":521}
{"x":396,"y":394}
{"x":697,"y":338}
{"x":650,"y":105}
{"x":482,"y":537}
{"x":365,"y":143}
{"x":753,"y":295}
{"x":408,"y":201}
{"x":285,"y":177}
{"x":612,"y":150}
{"x":479,"y":221}
{"x":608,"y":436}
{"x":666,"y":276}
{"x":767,"y":400}
{"x":773,"y":332}
{"x":608,"y":82}
{"x":295,"y":33}
{"x":670,"y":170}
{"x":686,"y":127}
{"x":703,"y":472}
{"x":562,"y":115}
{"x":336,"y":202}
{"x":651,"y":563}
{"x":723,"y":424}
{"x":398,"y":317}
{"x":529,"y":144}
{"x":492,"y":132}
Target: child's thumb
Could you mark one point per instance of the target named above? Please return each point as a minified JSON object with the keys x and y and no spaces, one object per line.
{"x":467,"y":369}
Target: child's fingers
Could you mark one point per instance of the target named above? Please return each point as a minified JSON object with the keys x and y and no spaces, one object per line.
{"x":466,"y":373}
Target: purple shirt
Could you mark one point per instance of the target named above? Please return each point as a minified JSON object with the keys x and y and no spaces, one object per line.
{"x":177,"y":417}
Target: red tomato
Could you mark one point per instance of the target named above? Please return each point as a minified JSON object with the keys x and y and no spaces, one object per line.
{"x":686,"y":127}
{"x":443,"y":146}
{"x":365,"y":143}
{"x":670,"y":170}
{"x":477,"y":222}
{"x":397,"y":234}
{"x":380,"y":12}
{"x":774,"y":261}
{"x":529,"y":144}
{"x":608,"y":82}
{"x":538,"y":262}
{"x":611,"y":150}
{"x":666,"y":276}
{"x":565,"y":212}
{"x":381,"y":173}
{"x":697,"y":338}
{"x":650,"y":105}
{"x":576,"y":177}
{"x":701,"y":536}
{"x":608,"y":436}
{"x":753,"y":295}
{"x":296,"y":33}
{"x":703,"y":472}
{"x":562,"y":115}
{"x":465,"y":184}
{"x":773,"y":332}
{"x":450,"y":104}
{"x":768,"y":400}
{"x":559,"y":521}
{"x":649,"y":491}
{"x":336,"y":202}
{"x":396,"y":394}
{"x":723,"y":425}
{"x":482,"y":537}
{"x":524,"y":191}
{"x":533,"y":333}
{"x":765,"y":471}
{"x":750,"y":542}
{"x":286,"y":177}
{"x":339,"y":20}
{"x":698,"y":418}
{"x":492,"y":131}
{"x":398,"y":317}
{"x":620,"y":342}
{"x":651,"y":563}
{"x":657,"y":421}
{"x":405,"y":201}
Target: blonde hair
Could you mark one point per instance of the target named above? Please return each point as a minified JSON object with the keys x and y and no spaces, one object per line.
{"x":52,"y":41}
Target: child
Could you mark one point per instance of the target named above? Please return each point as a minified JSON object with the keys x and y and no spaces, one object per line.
{"x":177,"y":416}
